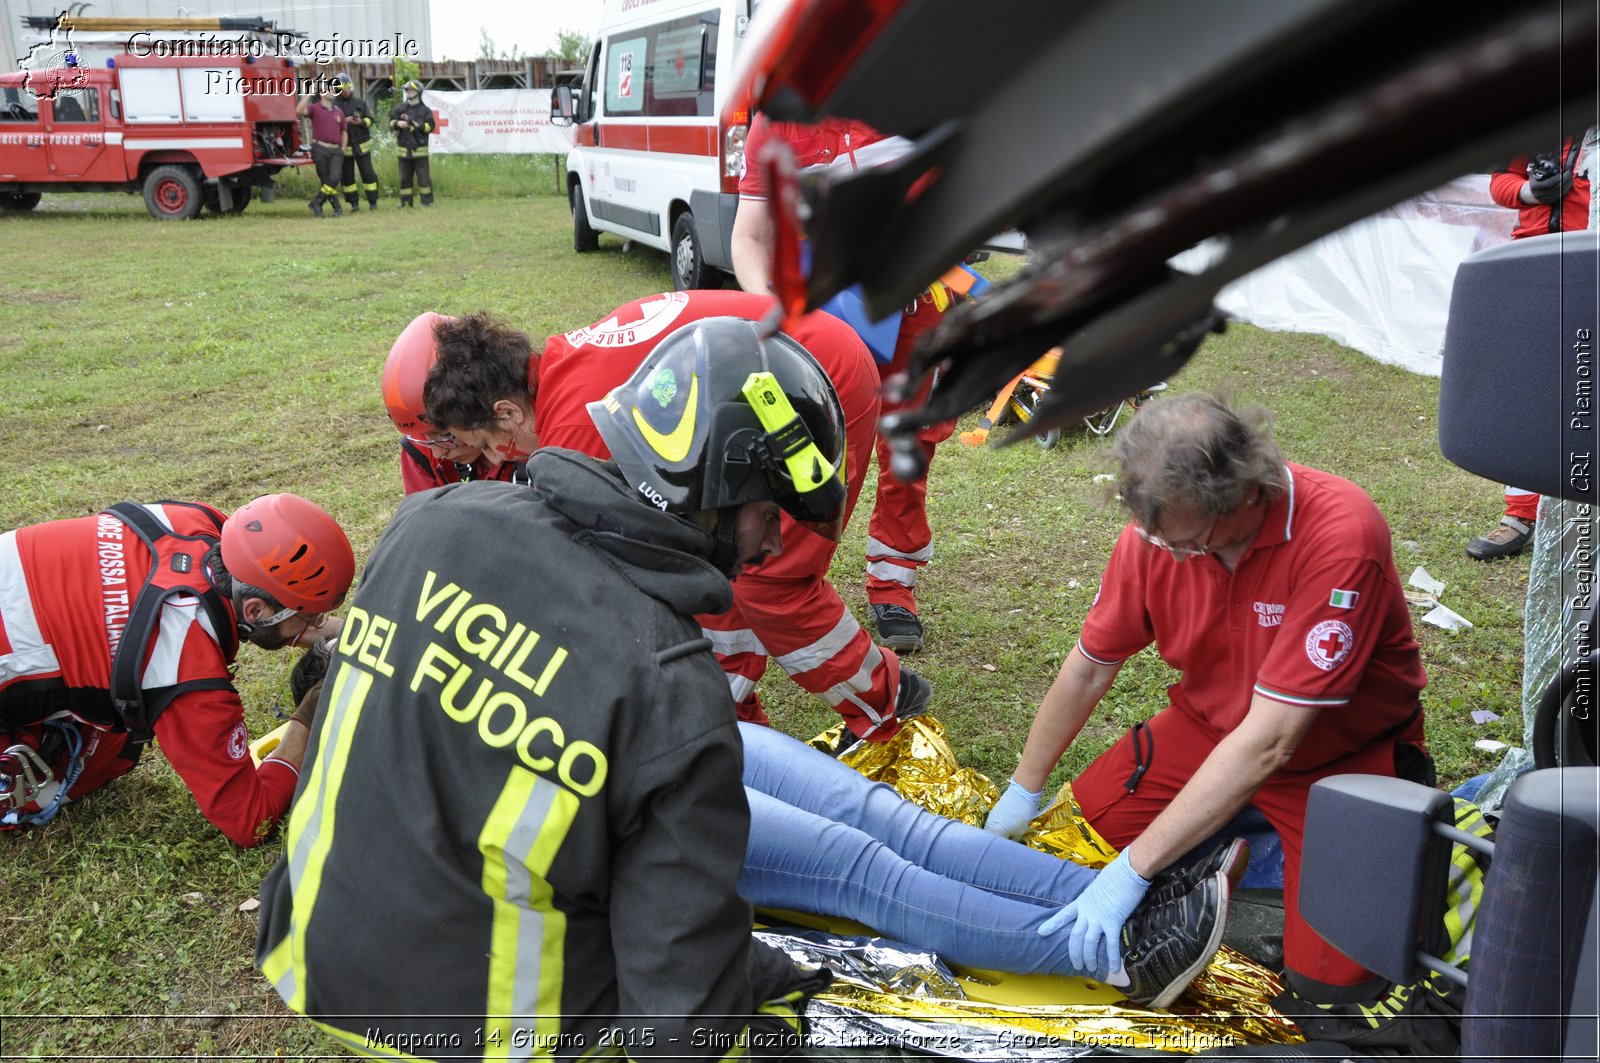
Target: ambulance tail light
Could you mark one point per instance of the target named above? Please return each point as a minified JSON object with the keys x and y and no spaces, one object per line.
{"x":733,"y":163}
{"x":800,"y":50}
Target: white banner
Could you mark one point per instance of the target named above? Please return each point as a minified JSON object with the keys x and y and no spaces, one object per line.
{"x":495,"y":121}
{"x":1381,"y":285}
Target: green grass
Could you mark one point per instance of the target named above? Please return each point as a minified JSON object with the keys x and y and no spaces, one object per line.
{"x":228,"y":357}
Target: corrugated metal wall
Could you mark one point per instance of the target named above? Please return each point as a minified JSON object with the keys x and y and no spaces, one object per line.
{"x":328,"y":21}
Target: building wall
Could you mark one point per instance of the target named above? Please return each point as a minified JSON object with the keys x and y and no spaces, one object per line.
{"x":322,"y":21}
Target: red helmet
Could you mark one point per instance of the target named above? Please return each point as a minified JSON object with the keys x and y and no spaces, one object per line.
{"x":292,"y":549}
{"x":412,"y":355}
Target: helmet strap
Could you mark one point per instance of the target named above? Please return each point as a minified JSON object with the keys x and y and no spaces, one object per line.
{"x":725,"y":541}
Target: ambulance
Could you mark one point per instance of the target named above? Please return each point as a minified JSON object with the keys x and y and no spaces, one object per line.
{"x":651,"y":161}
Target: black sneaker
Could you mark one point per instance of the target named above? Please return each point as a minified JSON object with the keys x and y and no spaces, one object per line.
{"x":898,"y":628}
{"x":1230,"y":857}
{"x":912,"y":699}
{"x":1166,"y":943}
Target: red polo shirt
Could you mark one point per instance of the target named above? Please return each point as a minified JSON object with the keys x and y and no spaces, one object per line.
{"x":829,"y":142}
{"x":1313,"y":615}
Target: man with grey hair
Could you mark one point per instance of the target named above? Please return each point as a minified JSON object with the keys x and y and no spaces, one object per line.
{"x":1272,"y":588}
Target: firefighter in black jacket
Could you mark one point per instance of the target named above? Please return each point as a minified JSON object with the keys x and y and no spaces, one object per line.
{"x":521,"y":824}
{"x":358,"y":148}
{"x":413,"y":121}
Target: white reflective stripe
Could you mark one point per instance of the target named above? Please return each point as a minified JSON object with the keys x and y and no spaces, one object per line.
{"x":860,"y":681}
{"x":1092,"y":657}
{"x":30,"y":654}
{"x":177,"y":617}
{"x":729,"y":643}
{"x":890,"y":572}
{"x":113,"y":138}
{"x":159,"y":513}
{"x":879,"y":548}
{"x":740,"y":687}
{"x":1288,"y":519}
{"x":163,"y":143}
{"x":877,"y":717}
{"x":824,"y":649}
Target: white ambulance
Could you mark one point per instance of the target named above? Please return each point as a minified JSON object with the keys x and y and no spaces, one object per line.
{"x":651,"y":161}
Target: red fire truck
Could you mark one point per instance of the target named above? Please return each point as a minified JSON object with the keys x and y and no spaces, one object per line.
{"x":185,"y":131}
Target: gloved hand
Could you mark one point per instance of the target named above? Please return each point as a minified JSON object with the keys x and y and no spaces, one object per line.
{"x":306,"y":711}
{"x":1011,"y":814}
{"x":1095,"y":919}
{"x":1551,"y":188}
{"x":309,"y":669}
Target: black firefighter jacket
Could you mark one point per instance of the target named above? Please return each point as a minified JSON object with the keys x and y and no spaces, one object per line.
{"x":520,"y":824}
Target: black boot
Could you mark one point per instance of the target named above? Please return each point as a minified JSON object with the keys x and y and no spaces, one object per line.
{"x":316,"y":206}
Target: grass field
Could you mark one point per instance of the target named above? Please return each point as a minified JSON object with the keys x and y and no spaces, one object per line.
{"x":227,"y":357}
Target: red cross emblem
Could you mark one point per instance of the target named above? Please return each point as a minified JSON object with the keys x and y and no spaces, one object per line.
{"x":1329,"y":643}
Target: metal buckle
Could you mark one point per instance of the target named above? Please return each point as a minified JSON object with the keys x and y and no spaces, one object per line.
{"x":23,"y":774}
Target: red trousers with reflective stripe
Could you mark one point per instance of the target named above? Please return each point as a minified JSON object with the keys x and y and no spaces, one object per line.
{"x":899,"y":541}
{"x":1181,"y":743}
{"x":787,"y":608}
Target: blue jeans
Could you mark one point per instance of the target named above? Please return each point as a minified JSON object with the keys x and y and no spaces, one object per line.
{"x":825,"y":840}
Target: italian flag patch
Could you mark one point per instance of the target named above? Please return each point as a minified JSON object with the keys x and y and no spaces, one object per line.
{"x":1343,"y":599}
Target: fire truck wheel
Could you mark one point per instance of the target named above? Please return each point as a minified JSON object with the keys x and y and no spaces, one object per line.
{"x":689,"y":269}
{"x":18,"y":201}
{"x":171,"y":192}
{"x":584,"y":238}
{"x":241,"y":200}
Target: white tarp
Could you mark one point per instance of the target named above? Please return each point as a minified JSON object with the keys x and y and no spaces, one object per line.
{"x":496,"y":122}
{"x":1381,"y":285}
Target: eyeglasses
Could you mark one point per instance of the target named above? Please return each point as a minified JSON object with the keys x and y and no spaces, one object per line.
{"x":442,"y":441}
{"x":1199,"y":546}
{"x":313,"y":621}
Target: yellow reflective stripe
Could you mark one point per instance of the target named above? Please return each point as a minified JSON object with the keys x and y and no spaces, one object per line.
{"x":674,"y":445}
{"x":519,"y":841}
{"x":312,"y":821}
{"x":276,"y":966}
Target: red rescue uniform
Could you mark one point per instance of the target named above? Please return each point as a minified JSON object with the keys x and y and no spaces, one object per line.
{"x":899,"y":540}
{"x":785,"y":607}
{"x":1313,"y":616}
{"x":66,"y":591}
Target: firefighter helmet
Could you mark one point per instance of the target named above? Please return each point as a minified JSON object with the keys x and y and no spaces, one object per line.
{"x":412,"y":85}
{"x":716,"y":416}
{"x":406,"y":371}
{"x":291,"y":548}
{"x":341,"y":83}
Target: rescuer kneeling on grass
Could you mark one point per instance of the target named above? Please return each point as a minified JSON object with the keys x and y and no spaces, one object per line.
{"x":122,"y":626}
{"x":1272,"y":588}
{"x":488,"y":394}
{"x":523,"y":823}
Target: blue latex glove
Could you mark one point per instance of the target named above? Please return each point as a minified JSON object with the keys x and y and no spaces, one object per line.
{"x":1011,"y":814}
{"x":1095,"y":919}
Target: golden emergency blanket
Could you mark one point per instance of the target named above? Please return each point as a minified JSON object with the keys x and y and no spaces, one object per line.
{"x":1228,"y":1004}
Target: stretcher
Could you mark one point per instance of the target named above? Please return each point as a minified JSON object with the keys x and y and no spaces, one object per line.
{"x":262,"y":747}
{"x":1020,"y":399}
